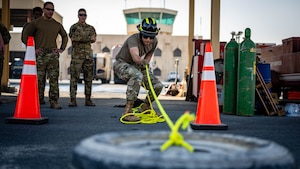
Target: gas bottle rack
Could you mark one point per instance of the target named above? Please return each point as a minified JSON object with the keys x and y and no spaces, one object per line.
{"x":265,"y":97}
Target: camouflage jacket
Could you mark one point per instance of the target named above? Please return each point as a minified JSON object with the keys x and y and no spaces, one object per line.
{"x":81,"y":35}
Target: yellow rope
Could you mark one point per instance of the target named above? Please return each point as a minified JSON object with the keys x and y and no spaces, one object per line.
{"x":146,"y":117}
{"x":150,"y":117}
{"x":175,"y":138}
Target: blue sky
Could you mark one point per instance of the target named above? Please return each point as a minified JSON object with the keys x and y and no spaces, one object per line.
{"x":270,"y":20}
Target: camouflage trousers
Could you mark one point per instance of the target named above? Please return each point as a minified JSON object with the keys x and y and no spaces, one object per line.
{"x":47,"y":65}
{"x":135,"y":77}
{"x":87,"y":65}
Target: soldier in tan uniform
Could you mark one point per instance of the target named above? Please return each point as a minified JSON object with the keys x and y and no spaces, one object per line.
{"x":135,"y":54}
{"x":82,"y":35}
{"x":45,"y":30}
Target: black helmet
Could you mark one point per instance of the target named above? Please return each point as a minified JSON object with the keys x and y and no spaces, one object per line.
{"x":148,"y":27}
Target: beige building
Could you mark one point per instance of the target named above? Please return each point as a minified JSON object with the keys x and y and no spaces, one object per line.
{"x":169,"y":49}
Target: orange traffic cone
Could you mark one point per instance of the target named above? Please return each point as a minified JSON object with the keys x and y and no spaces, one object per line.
{"x":28,"y":107}
{"x":208,"y":115}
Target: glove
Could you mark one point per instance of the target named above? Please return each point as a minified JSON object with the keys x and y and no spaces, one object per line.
{"x":144,"y":63}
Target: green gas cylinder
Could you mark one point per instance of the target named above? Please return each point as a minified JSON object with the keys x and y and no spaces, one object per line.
{"x":230,"y":76}
{"x":246,"y":76}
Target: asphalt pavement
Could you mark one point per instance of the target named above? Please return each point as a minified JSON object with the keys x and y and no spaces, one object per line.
{"x":51,"y":145}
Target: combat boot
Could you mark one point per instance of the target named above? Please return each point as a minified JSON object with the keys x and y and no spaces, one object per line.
{"x":88,"y":101}
{"x":128,"y":109}
{"x":147,"y":106}
{"x":73,"y":102}
{"x":55,"y":105}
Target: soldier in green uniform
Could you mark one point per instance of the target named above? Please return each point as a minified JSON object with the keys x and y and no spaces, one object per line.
{"x":135,"y":54}
{"x":4,"y":39}
{"x":45,"y":30}
{"x":82,"y":35}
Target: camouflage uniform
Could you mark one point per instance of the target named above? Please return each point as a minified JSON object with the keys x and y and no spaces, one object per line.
{"x":134,"y":77}
{"x":48,"y":62}
{"x":45,"y":33}
{"x":82,"y":57}
{"x":129,"y":71}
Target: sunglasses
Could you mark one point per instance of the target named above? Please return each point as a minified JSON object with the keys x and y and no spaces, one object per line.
{"x":82,"y":14}
{"x":49,"y":9}
{"x":146,"y":37}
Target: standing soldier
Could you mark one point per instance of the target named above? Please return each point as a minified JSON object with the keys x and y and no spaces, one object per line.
{"x":82,"y":35}
{"x":37,"y":12}
{"x":130,"y":64}
{"x":45,"y":31}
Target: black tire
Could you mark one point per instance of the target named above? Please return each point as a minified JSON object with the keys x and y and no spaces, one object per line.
{"x":141,"y":150}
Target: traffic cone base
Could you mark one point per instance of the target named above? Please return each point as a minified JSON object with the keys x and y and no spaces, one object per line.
{"x":209,"y":126}
{"x":13,"y":120}
{"x":208,"y":114}
{"x":28,"y":107}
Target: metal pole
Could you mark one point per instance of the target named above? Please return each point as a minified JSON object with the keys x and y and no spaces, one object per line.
{"x":191,"y":32}
{"x":215,"y":28}
{"x":6,"y":22}
{"x":176,"y":72}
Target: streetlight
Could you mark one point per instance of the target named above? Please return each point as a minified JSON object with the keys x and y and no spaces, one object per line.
{"x":176,"y":67}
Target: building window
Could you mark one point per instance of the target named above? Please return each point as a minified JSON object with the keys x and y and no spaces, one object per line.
{"x":177,"y":52}
{"x":167,"y":19}
{"x":155,"y":15}
{"x":157,"y":72}
{"x":132,"y":18}
{"x":157,"y":52}
{"x":105,"y":49}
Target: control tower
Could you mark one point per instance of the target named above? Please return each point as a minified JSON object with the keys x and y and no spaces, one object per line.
{"x":164,"y":17}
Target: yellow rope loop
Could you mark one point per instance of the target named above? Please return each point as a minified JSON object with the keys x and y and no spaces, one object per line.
{"x":146,"y":117}
{"x":184,"y":121}
{"x":151,"y":117}
{"x":175,"y":138}
{"x":160,"y":119}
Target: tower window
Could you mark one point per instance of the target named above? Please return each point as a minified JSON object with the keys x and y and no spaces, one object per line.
{"x":157,"y":52}
{"x":177,"y":52}
{"x":105,"y":49}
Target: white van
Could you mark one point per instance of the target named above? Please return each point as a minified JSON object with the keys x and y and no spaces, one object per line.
{"x":171,"y":77}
